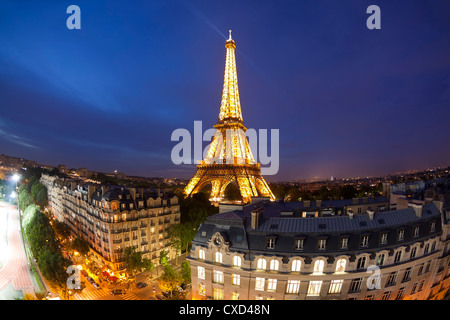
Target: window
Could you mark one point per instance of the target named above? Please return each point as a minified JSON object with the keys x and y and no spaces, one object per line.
{"x":201,"y":254}
{"x":398,"y":256}
{"x":380,"y":260}
{"x":386,"y":295}
{"x":321,"y":244}
{"x":271,"y":284}
{"x":416,"y":231}
{"x":298,"y":244}
{"x":407,"y":275}
{"x":236,"y":279}
{"x":369,"y":297}
{"x":391,"y":279}
{"x":383,"y":239}
{"x":364,"y":241}
{"x":318,"y":266}
{"x":433,"y":246}
{"x":427,"y":248}
{"x":270,"y":243}
{"x":400,"y":294}
{"x":314,"y":288}
{"x":201,"y":273}
{"x":218,"y":276}
{"x":413,"y":252}
{"x":401,"y":235}
{"x":414,"y":288}
{"x":433,"y":227}
{"x":274,"y":265}
{"x":259,"y":284}
{"x":261,"y":264}
{"x":237,"y":261}
{"x":355,"y":285}
{"x":218,"y":294}
{"x":293,"y":286}
{"x":340,"y":265}
{"x":202,"y":290}
{"x":421,"y":285}
{"x":420,"y":269}
{"x":218,"y":257}
{"x":235,"y":296}
{"x":343,"y":244}
{"x":296,"y":265}
{"x":361,"y":263}
{"x":335,"y":286}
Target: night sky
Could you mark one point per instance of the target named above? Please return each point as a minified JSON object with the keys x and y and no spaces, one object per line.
{"x":348,"y":101}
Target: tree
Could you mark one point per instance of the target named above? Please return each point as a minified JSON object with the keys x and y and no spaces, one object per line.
{"x":134,"y":261}
{"x":80,"y":245}
{"x":170,"y":280}
{"x":186,"y":272}
{"x":164,"y":258}
{"x":25,"y":200}
{"x":62,"y":230}
{"x":41,"y":197}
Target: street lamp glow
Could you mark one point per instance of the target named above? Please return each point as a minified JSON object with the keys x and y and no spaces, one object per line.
{"x":16,"y":177}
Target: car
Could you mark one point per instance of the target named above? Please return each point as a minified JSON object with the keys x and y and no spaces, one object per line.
{"x":160,"y":297}
{"x":166,"y":294}
{"x":116,"y":292}
{"x":96,"y":285}
{"x":141,"y":285}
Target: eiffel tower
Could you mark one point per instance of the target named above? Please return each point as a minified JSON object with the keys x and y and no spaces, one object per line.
{"x":229,"y":158}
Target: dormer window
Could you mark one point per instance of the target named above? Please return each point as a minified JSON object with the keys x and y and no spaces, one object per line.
{"x":270,"y":243}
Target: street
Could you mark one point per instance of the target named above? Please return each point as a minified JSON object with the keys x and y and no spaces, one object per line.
{"x":13,"y":262}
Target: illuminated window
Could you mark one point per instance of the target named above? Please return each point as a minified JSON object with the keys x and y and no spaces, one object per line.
{"x":321,"y":244}
{"x":314,"y":288}
{"x":235,"y":296}
{"x":237,"y":261}
{"x":318,"y":266}
{"x":401,"y":235}
{"x":259,"y":284}
{"x":201,"y":254}
{"x":201,"y":273}
{"x":202,"y":290}
{"x":271,"y":284}
{"x":270,"y":243}
{"x":343,"y":244}
{"x":218,"y":276}
{"x":236,"y":279}
{"x":218,"y":294}
{"x":298,"y":244}
{"x":335,"y":286}
{"x":274,"y":265}
{"x":340,"y":265}
{"x":296,"y":265}
{"x":261,"y":264}
{"x":218,"y":257}
{"x":293,"y":286}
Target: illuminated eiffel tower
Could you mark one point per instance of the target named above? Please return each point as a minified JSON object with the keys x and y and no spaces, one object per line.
{"x":229,"y":158}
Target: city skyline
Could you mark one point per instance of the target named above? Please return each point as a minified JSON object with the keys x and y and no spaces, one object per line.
{"x":348,"y":101}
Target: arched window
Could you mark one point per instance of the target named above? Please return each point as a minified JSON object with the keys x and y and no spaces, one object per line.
{"x":261,"y":264}
{"x":218,"y":257}
{"x":201,"y":254}
{"x":296,"y":265}
{"x":237,"y":261}
{"x":318,"y":266}
{"x":340,"y":265}
{"x":361,"y":263}
{"x":274,"y":264}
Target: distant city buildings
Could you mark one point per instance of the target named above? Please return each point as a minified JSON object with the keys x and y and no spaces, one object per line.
{"x":111,"y":218}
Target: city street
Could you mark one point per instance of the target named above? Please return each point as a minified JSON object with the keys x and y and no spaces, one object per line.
{"x":13,"y":262}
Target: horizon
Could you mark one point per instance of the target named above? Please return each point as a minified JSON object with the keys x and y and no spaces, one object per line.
{"x":348,"y":101}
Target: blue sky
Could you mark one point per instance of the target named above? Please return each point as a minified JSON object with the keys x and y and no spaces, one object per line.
{"x":348,"y":101}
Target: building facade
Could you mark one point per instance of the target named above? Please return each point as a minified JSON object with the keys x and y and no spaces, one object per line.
{"x":112,"y":218}
{"x":265,"y":251}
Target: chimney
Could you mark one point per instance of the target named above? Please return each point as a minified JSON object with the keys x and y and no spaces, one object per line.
{"x":306,"y":203}
{"x":417,"y":208}
{"x":73,"y":185}
{"x":350,"y":213}
{"x":370,"y":213}
{"x":91,"y":190}
{"x":355,"y":200}
{"x":318,"y":203}
{"x":256,"y":217}
{"x":104,"y":190}
{"x":133,"y":193}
